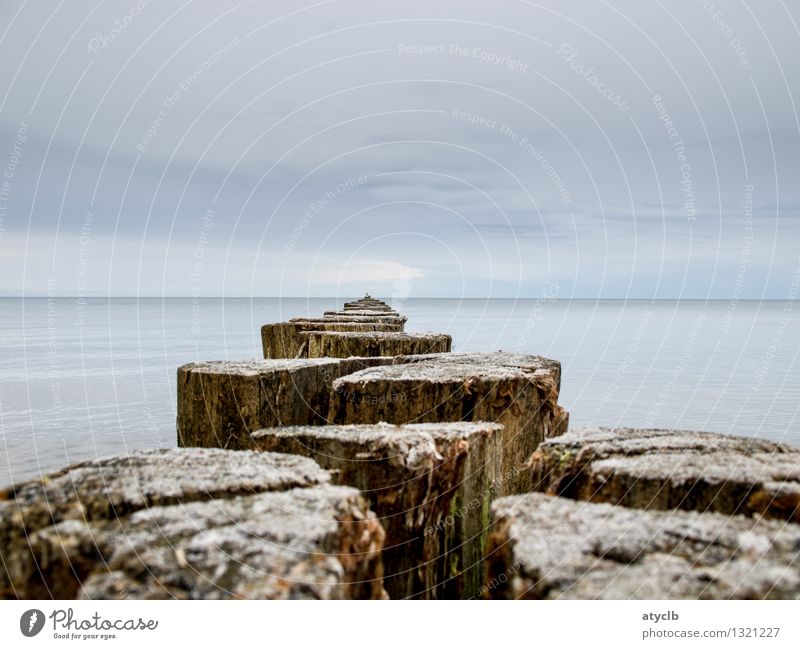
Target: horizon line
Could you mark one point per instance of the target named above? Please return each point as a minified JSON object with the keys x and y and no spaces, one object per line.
{"x":422,"y":297}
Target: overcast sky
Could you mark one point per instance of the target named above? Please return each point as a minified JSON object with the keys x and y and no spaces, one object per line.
{"x":614,"y":149}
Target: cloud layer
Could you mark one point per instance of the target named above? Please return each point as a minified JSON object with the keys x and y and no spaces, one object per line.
{"x":620,"y":149}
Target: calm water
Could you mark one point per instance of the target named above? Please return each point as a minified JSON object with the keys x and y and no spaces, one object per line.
{"x":79,"y":381}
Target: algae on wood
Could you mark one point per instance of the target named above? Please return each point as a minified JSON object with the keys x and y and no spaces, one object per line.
{"x":189,"y":523}
{"x":370,"y":313}
{"x":347,"y":344}
{"x":367,"y":302}
{"x":518,"y":391}
{"x":430,"y":486}
{"x":350,"y":317}
{"x":672,"y":469}
{"x":547,"y":547}
{"x":290,"y":339}
{"x":221,"y":402}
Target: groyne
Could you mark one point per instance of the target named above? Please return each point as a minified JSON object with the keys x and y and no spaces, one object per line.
{"x":359,"y":460}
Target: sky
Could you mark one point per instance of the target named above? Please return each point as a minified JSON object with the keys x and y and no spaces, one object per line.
{"x":590,"y":149}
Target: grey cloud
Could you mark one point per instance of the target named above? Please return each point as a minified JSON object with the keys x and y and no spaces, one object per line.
{"x":259,"y":112}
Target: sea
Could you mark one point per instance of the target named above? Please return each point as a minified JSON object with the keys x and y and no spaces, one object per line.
{"x":82,"y":378}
